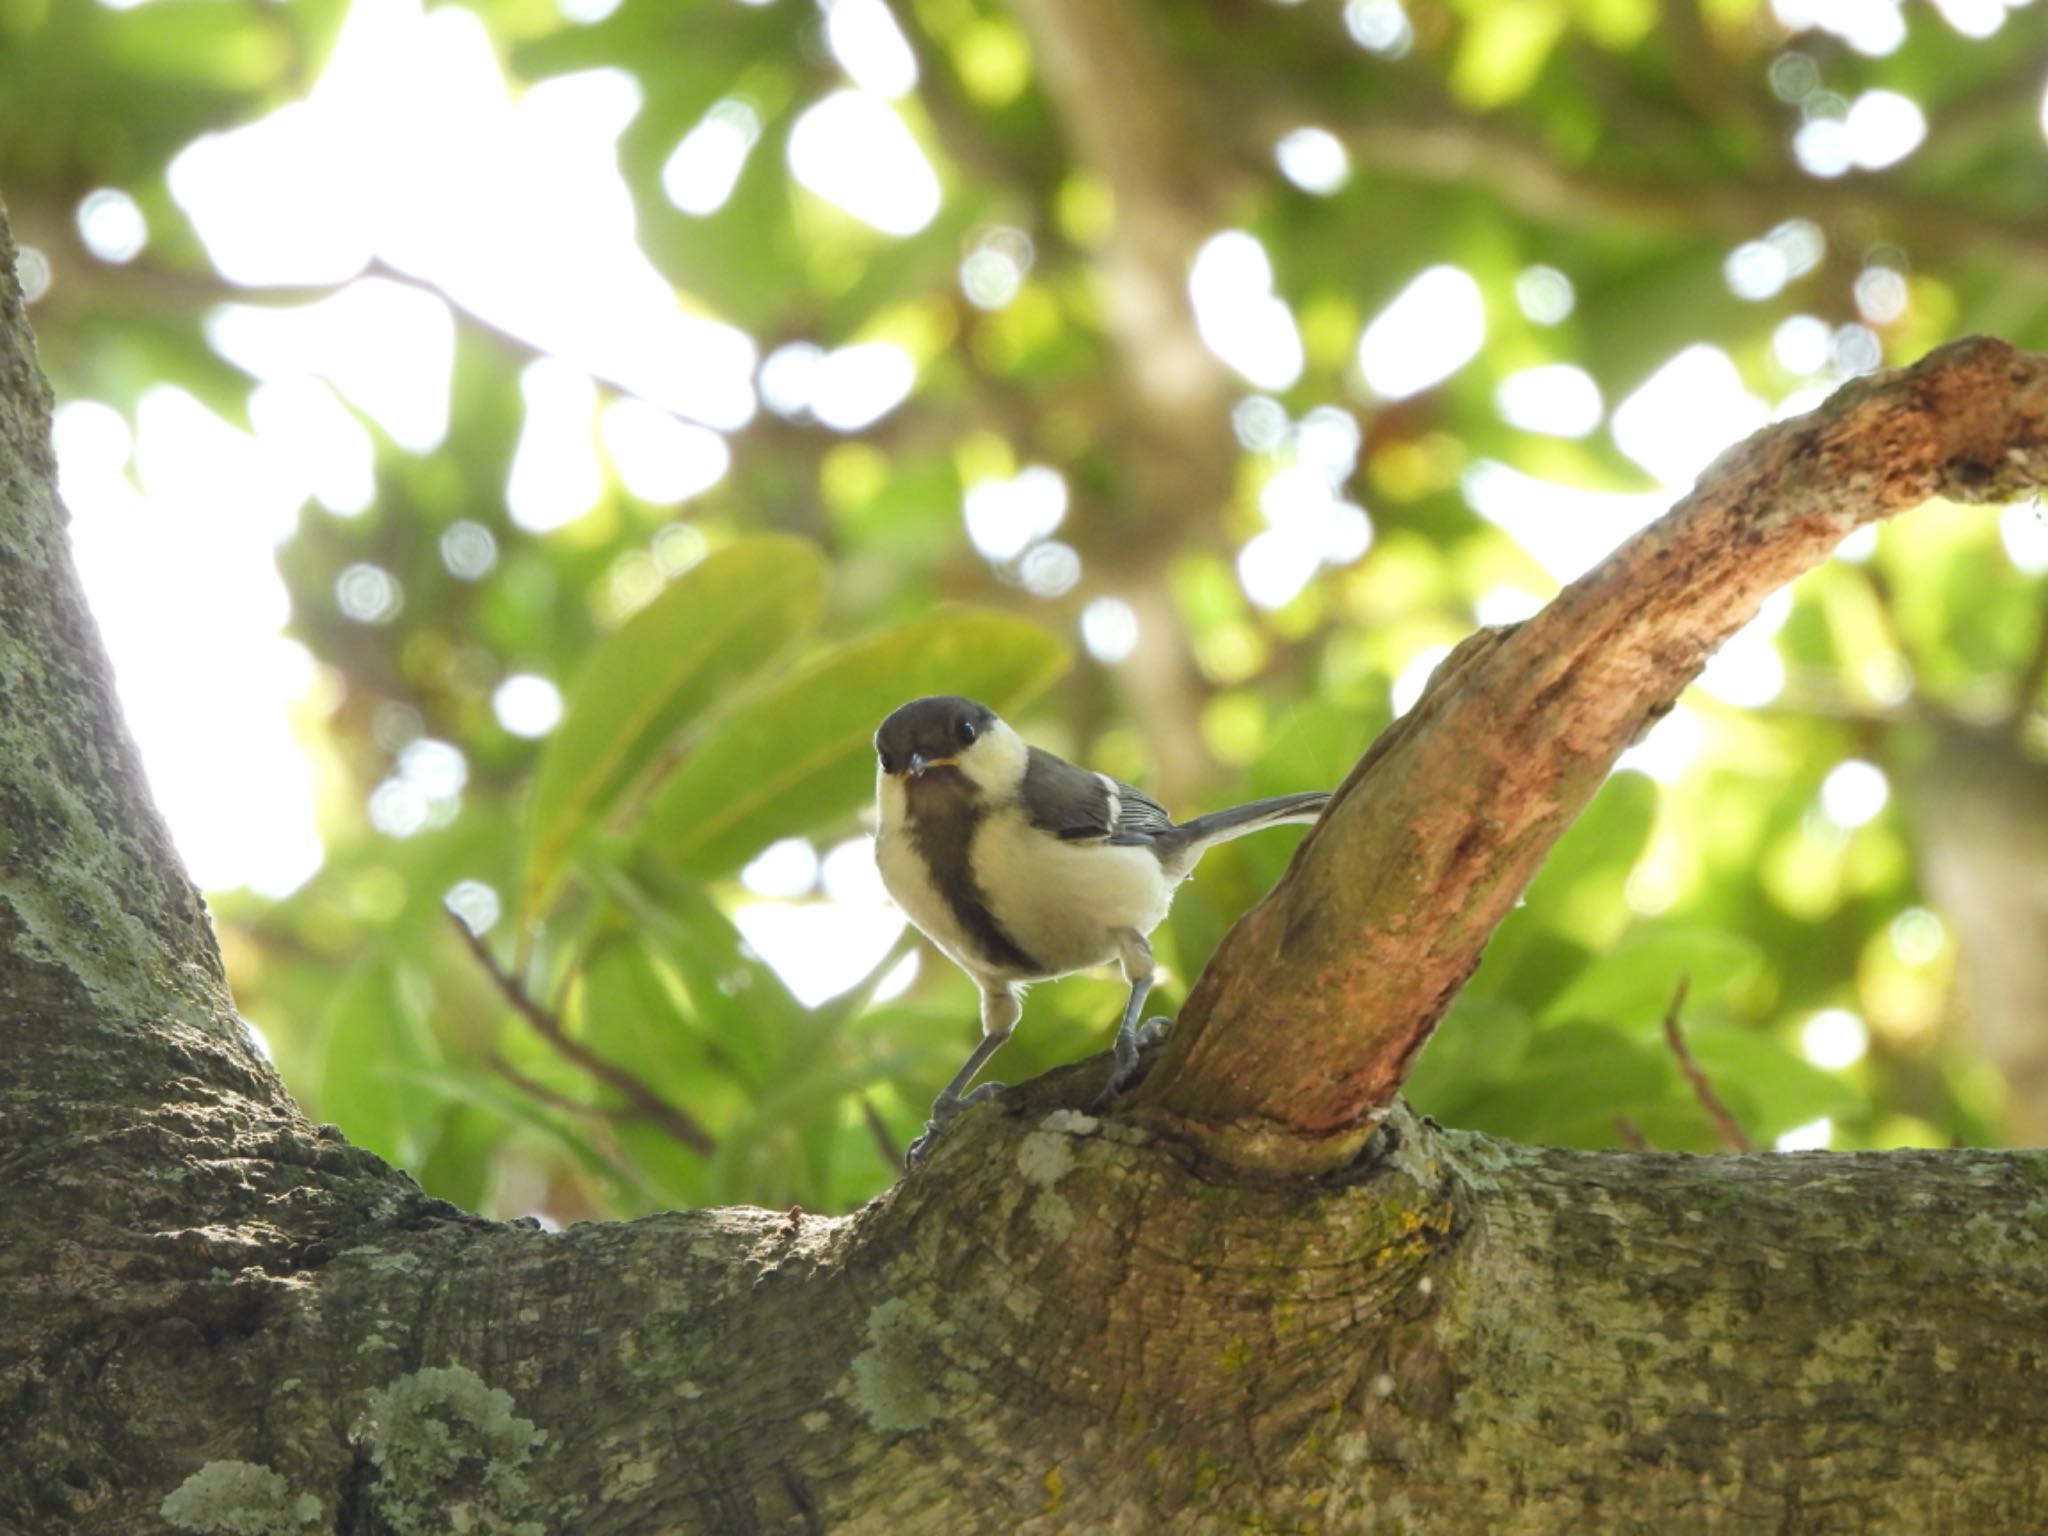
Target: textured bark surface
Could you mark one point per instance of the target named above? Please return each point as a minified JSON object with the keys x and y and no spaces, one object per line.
{"x":1058,"y":1325}
{"x":1437,"y":831}
{"x":217,"y":1318}
{"x":94,"y":908}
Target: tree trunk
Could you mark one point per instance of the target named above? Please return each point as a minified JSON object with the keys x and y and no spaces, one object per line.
{"x":216,"y":1317}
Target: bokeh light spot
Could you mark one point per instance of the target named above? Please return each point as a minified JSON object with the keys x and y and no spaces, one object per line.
{"x":1854,"y":792}
{"x":1559,"y":399}
{"x":1433,"y":328}
{"x":1834,"y":1039}
{"x":469,"y":550}
{"x":700,"y":175}
{"x":855,"y":152}
{"x":367,"y":593}
{"x":1314,"y":159}
{"x":1109,"y":629}
{"x":527,"y":704}
{"x":1544,"y":294}
{"x":112,"y":225}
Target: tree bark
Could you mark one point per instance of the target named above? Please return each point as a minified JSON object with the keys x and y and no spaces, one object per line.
{"x":1345,"y":968}
{"x":216,"y":1317}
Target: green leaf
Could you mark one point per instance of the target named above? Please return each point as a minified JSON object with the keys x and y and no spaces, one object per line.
{"x":1576,"y":902}
{"x":713,"y":628}
{"x":800,"y":754}
{"x":627,"y":1010}
{"x":737,"y":1005}
{"x":378,"y":1038}
{"x":1631,"y":987}
{"x":1480,"y":1043}
{"x":1767,"y":1088}
{"x":1574,"y":1080}
{"x":1503,"y":50}
{"x":460,"y":1167}
{"x":515,"y":1109}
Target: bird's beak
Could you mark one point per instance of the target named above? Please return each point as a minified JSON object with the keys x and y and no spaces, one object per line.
{"x":919,"y":763}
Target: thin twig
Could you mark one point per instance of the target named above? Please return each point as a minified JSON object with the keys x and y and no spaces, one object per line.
{"x":1631,"y":1134}
{"x":534,"y":1088}
{"x":879,"y":1129}
{"x":1726,"y":1126}
{"x":643,"y":1100}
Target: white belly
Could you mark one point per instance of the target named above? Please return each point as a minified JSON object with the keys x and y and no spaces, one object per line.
{"x":1061,"y":903}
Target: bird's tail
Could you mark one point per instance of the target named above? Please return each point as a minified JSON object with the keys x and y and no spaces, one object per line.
{"x":1222,"y":826}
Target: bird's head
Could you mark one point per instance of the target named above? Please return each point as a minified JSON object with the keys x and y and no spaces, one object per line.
{"x":947,"y":740}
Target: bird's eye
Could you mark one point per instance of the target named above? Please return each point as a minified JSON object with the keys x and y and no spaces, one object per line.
{"x":965,"y":731}
{"x":888,"y":763}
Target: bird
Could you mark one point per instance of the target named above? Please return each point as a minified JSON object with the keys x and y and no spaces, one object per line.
{"x":1021,"y":866}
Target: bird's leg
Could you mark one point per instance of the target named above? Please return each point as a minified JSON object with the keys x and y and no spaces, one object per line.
{"x":1000,"y":1010}
{"x":1138,"y":971}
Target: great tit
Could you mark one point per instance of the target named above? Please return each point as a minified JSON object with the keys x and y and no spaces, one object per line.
{"x":1021,"y":867}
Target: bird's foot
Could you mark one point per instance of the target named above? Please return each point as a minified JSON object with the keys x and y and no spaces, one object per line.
{"x":1123,"y":1059}
{"x":945,"y":1109}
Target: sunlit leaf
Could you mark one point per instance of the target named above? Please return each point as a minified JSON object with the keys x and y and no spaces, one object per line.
{"x":378,"y":1042}
{"x":1632,"y":986}
{"x":706,"y":634}
{"x":1503,"y":49}
{"x":1477,"y":1044}
{"x":1767,"y":1087}
{"x":1575,"y":1076}
{"x":1580,"y":886}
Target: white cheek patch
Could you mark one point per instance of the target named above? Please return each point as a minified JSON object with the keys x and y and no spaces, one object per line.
{"x":890,"y":800}
{"x":996,"y":762}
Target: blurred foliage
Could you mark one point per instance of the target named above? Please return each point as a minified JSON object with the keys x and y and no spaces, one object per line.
{"x":724,"y":659}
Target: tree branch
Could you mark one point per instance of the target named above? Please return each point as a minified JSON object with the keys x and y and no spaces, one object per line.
{"x":641,"y":1100}
{"x":95,"y":908}
{"x":1299,"y":1033}
{"x":1128,"y":115}
{"x":1450,"y":147}
{"x":1726,"y":1127}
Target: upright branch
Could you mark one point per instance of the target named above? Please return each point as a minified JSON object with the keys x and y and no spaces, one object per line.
{"x":96,"y":915}
{"x":1298,"y":1035}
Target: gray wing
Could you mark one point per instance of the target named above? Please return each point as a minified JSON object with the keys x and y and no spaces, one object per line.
{"x":1078,"y":806}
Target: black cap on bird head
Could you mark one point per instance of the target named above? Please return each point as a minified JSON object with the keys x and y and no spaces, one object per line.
{"x":930,"y":733}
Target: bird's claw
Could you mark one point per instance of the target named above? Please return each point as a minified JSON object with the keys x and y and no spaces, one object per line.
{"x":945,"y":1109}
{"x":1123,"y":1059}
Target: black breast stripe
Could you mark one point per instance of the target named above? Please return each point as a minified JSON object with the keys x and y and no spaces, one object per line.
{"x":942,"y":829}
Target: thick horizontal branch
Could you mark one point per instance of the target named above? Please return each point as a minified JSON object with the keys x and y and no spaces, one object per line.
{"x":1301,"y":1029}
{"x":1060,"y":1326}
